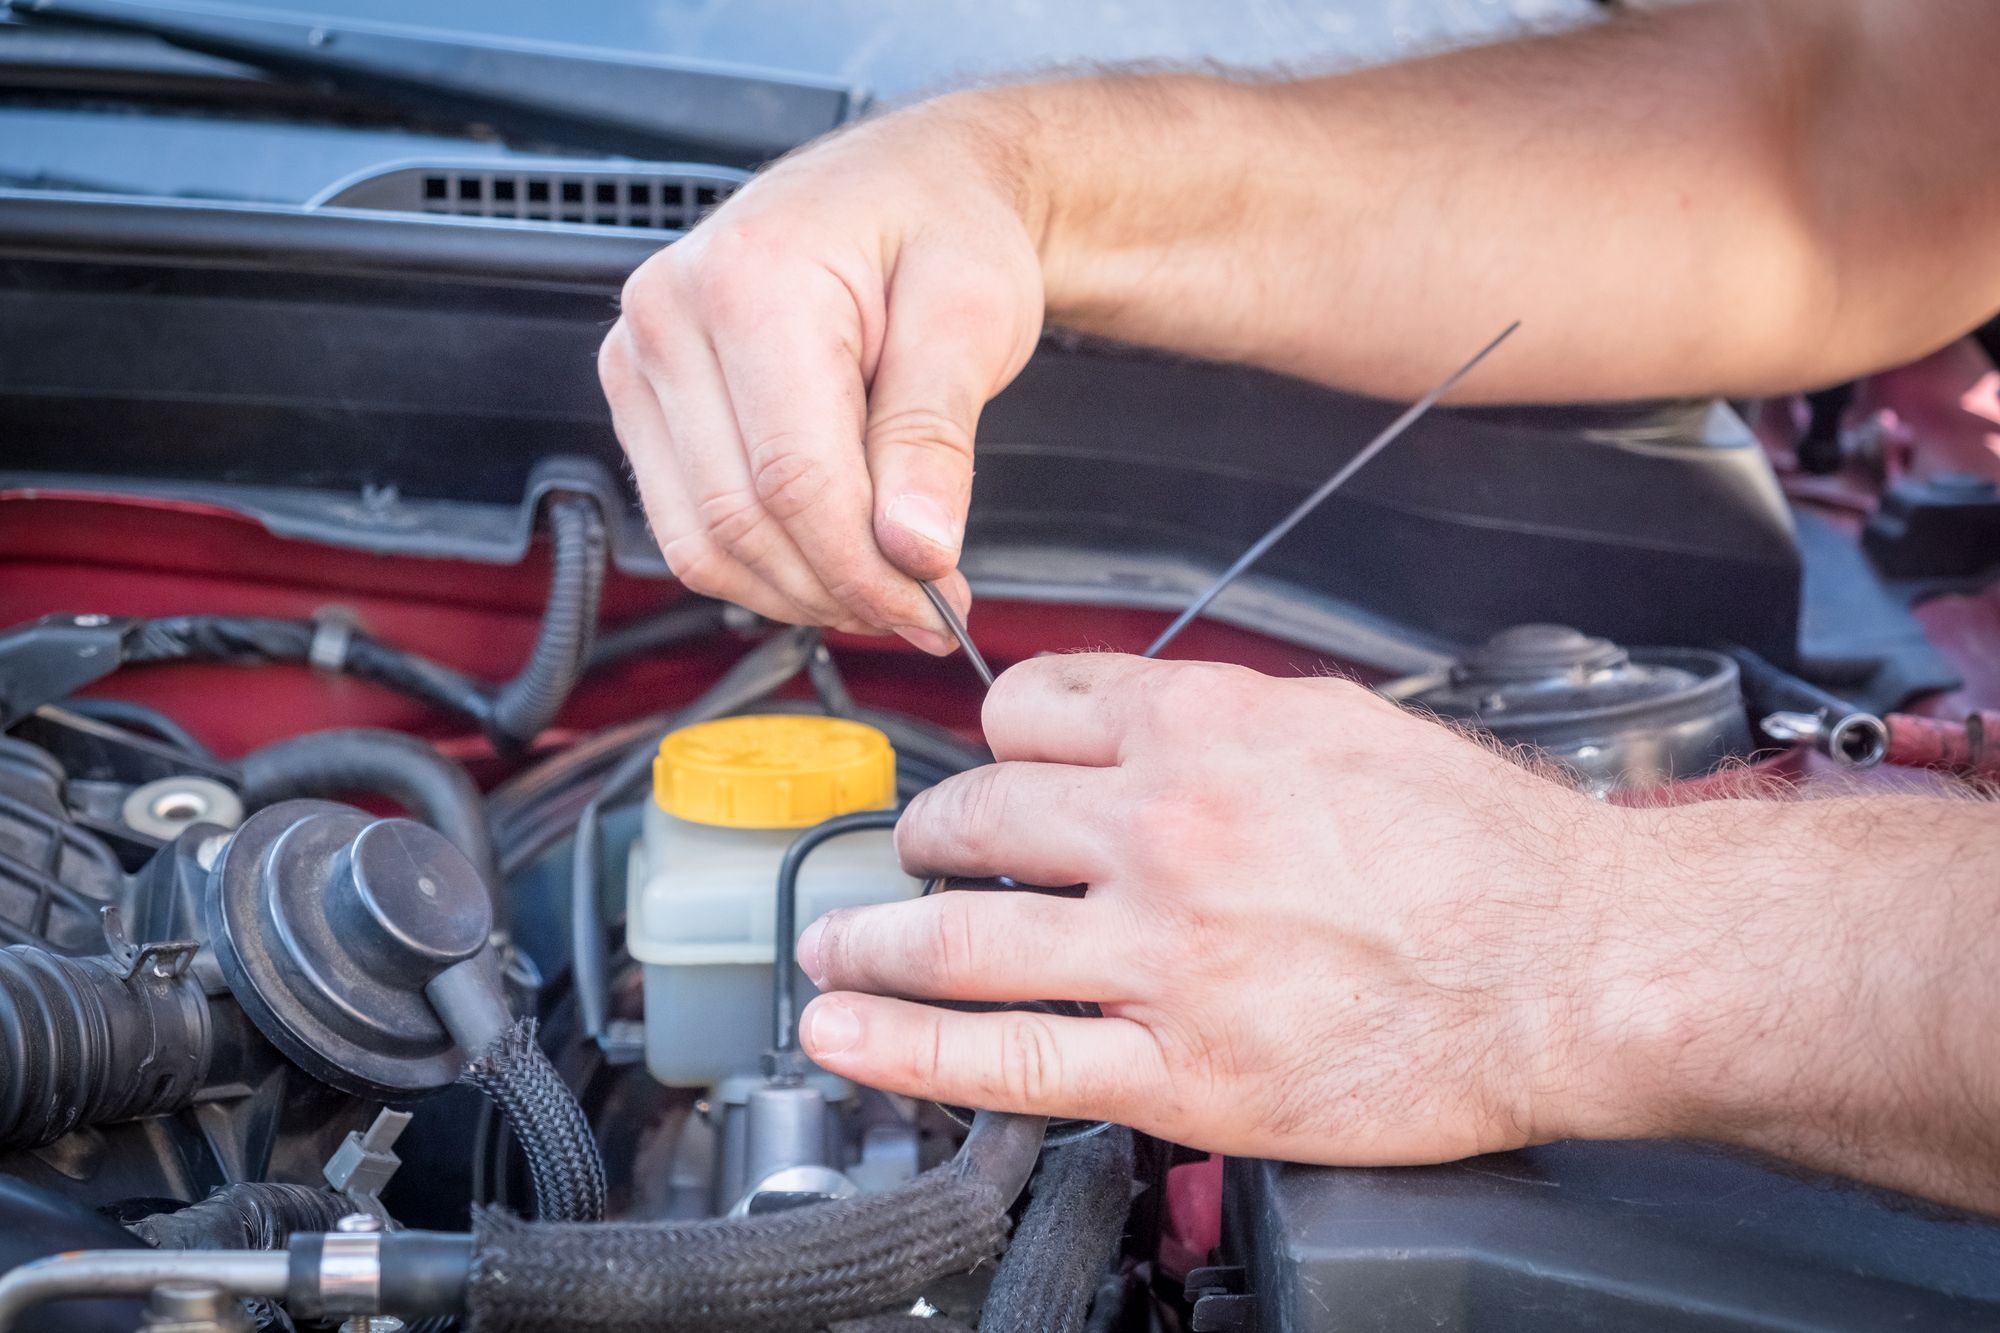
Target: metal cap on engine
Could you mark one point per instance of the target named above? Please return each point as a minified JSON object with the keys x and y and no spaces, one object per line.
{"x":773,"y":771}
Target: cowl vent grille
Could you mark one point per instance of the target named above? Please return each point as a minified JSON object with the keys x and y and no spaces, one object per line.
{"x":641,"y":196}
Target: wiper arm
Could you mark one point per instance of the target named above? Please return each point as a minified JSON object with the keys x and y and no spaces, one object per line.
{"x":578,"y":96}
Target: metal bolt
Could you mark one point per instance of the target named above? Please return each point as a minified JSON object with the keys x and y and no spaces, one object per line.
{"x":186,"y":1300}
{"x":193,"y":1307}
{"x":363,"y":1222}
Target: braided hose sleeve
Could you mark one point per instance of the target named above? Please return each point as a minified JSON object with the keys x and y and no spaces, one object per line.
{"x":1069,"y":1233}
{"x":525,"y":705}
{"x":249,"y":1215}
{"x":541,"y":1111}
{"x":793,"y":1270}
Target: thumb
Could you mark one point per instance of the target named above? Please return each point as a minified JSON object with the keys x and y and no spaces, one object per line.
{"x":950,"y":345}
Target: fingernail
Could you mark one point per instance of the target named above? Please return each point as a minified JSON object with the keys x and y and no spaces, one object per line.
{"x":831,"y":1028}
{"x":926,"y":518}
{"x":935,"y":642}
{"x":808,"y":951}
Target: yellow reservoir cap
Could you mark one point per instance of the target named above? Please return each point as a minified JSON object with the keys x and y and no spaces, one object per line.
{"x":773,"y":771}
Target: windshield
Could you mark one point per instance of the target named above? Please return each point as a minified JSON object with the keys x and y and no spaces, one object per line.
{"x":900,"y":48}
{"x":889,"y":49}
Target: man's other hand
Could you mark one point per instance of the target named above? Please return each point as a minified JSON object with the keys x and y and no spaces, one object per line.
{"x":798,"y":382}
{"x":1319,"y":928}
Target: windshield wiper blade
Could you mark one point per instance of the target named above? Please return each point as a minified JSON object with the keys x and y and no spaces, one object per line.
{"x":577,"y":96}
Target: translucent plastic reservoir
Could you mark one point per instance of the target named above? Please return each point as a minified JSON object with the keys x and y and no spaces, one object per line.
{"x":702,"y":895}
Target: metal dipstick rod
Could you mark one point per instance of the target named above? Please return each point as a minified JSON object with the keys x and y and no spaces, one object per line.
{"x":958,"y":631}
{"x":1353,"y":465}
{"x":1263,"y":544}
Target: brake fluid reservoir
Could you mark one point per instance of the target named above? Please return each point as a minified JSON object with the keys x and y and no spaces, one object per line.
{"x":728,"y":798}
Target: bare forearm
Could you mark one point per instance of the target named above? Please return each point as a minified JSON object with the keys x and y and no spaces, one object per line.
{"x":1727,"y":197}
{"x":1819,"y":980}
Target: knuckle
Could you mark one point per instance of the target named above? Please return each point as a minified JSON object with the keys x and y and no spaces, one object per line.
{"x":913,"y":833}
{"x":731,"y":518}
{"x":697,"y":562}
{"x":788,"y":479}
{"x":1172,"y":698}
{"x":836,"y":947}
{"x":735,"y":280}
{"x":921,"y":428}
{"x":1160,"y":699}
{"x":1030,"y":1060}
{"x":651,"y":302}
{"x":952,"y":957}
{"x":849,"y":587}
{"x":1155,"y":831}
{"x":614,"y":360}
{"x":981,"y":799}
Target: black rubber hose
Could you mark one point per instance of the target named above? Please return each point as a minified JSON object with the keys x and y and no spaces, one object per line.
{"x":683,"y":622}
{"x":545,"y":1119}
{"x":785,"y":929}
{"x":1771,"y":688}
{"x":140,"y":717}
{"x":525,"y":705}
{"x":1067,"y":1238}
{"x":83,"y":1044}
{"x":249,"y":1215}
{"x":387,"y":763}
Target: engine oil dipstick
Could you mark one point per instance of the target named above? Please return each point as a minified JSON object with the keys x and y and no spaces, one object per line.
{"x":958,"y":631}
{"x":1353,"y":465}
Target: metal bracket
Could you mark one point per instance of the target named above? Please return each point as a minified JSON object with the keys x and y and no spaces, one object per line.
{"x":1221,"y":1305}
{"x":51,"y":658}
{"x":167,"y":959}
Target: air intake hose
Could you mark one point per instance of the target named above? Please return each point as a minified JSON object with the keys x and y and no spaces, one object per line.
{"x":82,"y":1043}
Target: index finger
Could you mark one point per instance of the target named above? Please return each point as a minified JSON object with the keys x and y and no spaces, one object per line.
{"x":801,"y":404}
{"x":1067,"y":708}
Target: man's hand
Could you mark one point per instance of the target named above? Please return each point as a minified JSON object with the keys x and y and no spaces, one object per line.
{"x":798,"y":382}
{"x":1323,"y":929}
{"x":1319,"y":928}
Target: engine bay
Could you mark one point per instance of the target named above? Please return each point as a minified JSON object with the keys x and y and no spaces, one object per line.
{"x":398,"y":872}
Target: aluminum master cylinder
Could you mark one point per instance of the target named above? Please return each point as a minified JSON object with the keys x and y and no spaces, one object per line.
{"x":728,"y":798}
